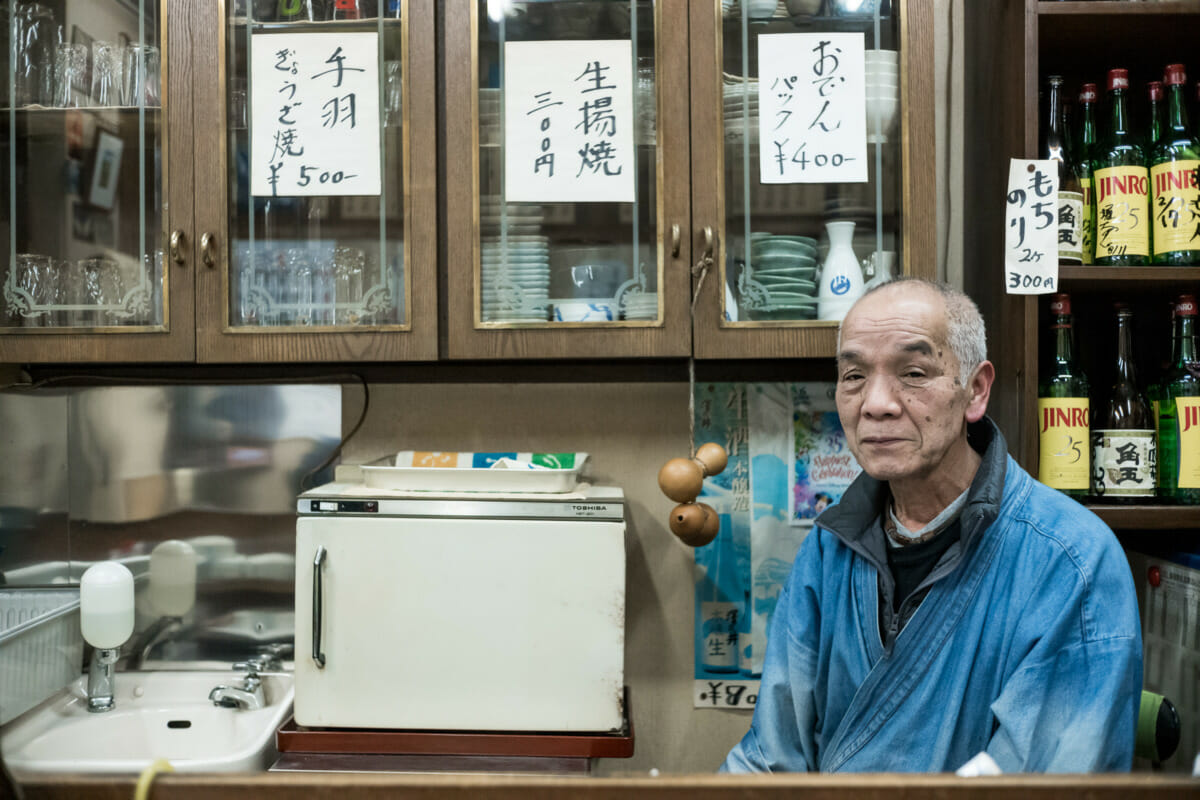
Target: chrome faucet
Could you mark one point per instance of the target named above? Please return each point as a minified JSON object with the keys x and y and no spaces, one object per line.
{"x":250,"y":695}
{"x":157,"y":632}
{"x":100,"y":679}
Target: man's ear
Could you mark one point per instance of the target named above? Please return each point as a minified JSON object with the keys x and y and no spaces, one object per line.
{"x":979,"y":389}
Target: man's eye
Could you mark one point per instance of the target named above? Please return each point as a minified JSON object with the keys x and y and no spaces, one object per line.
{"x":850,"y":377}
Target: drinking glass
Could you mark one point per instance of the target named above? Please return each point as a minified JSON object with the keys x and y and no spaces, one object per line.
{"x":102,"y":287}
{"x":348,"y":265}
{"x":33,"y":275}
{"x":237,"y":104}
{"x":36,"y":36}
{"x":392,"y":92}
{"x":107,"y":69}
{"x":70,"y":66}
{"x":140,"y":75}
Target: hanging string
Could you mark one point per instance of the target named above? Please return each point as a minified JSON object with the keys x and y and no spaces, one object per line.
{"x":700,"y":272}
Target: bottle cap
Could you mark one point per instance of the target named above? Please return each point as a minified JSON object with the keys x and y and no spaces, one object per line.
{"x":1155,"y":90}
{"x":1185,"y":306}
{"x":1087,"y":93}
{"x":1175,"y":75}
{"x":1060,"y":304}
{"x":1118,"y":79}
{"x":1054,"y":80}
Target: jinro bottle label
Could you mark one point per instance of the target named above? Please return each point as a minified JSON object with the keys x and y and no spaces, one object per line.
{"x":1122,"y":211}
{"x":1176,"y":206}
{"x":1123,"y":463}
{"x":1065,"y":460}
{"x":1188,"y":409}
{"x":1070,"y":226}
{"x":1089,"y":224}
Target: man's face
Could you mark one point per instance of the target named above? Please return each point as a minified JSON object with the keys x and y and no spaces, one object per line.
{"x":898,"y":391}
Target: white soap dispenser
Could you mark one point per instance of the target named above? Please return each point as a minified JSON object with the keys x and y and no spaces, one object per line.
{"x":106,"y":621}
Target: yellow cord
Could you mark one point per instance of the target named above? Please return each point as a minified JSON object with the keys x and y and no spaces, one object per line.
{"x":142,"y":791}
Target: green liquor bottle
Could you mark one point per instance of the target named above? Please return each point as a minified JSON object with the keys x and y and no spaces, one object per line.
{"x":1070,"y":194}
{"x":1064,"y":461}
{"x":1179,"y":412}
{"x":1122,"y":185}
{"x":1156,"y":114}
{"x":1082,"y":150}
{"x":1174,"y":167}
{"x":1123,"y":439}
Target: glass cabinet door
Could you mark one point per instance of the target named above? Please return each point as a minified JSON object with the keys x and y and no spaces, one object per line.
{"x":328,"y":131}
{"x":810,"y":108}
{"x":84,"y":212}
{"x":571,"y":125}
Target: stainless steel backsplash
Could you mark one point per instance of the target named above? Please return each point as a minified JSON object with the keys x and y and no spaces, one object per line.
{"x":93,"y":474}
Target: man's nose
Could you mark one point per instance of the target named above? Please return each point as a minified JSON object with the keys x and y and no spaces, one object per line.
{"x":880,"y":398}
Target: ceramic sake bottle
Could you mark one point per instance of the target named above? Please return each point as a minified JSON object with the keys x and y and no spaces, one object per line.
{"x":841,"y":275}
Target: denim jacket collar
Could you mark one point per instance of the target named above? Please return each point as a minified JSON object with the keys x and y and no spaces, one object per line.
{"x":857,"y":518}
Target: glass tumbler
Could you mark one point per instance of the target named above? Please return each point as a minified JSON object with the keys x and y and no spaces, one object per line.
{"x":140,"y":75}
{"x":102,"y":287}
{"x":392,"y":88}
{"x":35,"y":38}
{"x":107,"y":69}
{"x":348,"y":265}
{"x":70,"y":69}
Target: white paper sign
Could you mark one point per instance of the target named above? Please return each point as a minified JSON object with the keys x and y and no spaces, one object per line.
{"x":314,"y":114}
{"x":1031,"y":228}
{"x":812,"y":125}
{"x":568,"y":122}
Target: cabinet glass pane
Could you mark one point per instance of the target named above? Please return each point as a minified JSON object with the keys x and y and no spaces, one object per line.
{"x":81,"y":217}
{"x":778,"y":234}
{"x":580,"y":262}
{"x":304,"y":261}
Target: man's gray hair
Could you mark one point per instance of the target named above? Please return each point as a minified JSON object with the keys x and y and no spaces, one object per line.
{"x":965,"y":331}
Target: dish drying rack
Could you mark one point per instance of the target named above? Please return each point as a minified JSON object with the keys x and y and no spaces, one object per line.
{"x":41,"y":647}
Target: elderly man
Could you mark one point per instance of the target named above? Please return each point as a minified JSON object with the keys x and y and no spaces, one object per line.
{"x":949,"y":605}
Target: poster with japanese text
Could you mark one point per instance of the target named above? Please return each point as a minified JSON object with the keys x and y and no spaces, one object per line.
{"x":314,"y":114}
{"x":722,"y":568}
{"x":812,"y":108}
{"x":780,"y":437}
{"x":568,"y":121}
{"x":1031,"y":227}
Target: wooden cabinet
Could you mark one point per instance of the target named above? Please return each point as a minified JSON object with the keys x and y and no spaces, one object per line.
{"x":185,"y":265}
{"x":213,"y":273}
{"x":1011,"y":46}
{"x":700,"y":199}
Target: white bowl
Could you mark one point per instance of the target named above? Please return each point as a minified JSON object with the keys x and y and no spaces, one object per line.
{"x":597,"y":309}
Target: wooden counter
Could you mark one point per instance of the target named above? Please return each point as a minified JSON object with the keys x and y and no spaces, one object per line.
{"x":696,"y":787}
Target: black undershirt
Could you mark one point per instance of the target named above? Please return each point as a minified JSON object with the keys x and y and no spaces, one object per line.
{"x":910,"y":564}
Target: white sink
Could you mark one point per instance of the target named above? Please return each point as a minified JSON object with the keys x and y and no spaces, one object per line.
{"x":163,"y":714}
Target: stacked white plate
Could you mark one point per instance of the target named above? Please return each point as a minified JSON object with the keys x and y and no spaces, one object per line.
{"x":518,"y":218}
{"x":641,"y":305}
{"x":515,"y":278}
{"x":738,"y":96}
{"x":490,"y":121}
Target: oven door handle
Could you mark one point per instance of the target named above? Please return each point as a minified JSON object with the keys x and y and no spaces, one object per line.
{"x":317,"y":590}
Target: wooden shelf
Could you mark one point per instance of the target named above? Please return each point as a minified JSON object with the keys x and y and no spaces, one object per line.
{"x":1116,"y":9}
{"x":1148,"y":517}
{"x":1126,"y":279}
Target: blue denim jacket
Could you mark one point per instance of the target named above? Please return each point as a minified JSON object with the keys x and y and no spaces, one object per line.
{"x":1026,"y":645}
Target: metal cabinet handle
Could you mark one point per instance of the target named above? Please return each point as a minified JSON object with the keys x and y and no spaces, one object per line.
{"x":709,"y":242}
{"x":208,"y":249}
{"x":178,"y":243}
{"x":317,"y":656}
{"x":675,"y":240}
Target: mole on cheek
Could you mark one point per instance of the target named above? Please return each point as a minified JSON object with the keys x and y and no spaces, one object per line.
{"x":929,"y":419}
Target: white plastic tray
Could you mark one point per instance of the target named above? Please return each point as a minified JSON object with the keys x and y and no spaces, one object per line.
{"x":41,"y":649}
{"x":380,"y":475}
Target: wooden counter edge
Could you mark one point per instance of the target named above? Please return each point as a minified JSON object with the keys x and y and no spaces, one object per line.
{"x":359,"y":786}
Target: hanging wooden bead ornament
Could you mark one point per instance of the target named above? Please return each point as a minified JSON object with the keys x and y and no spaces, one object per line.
{"x":681,"y":479}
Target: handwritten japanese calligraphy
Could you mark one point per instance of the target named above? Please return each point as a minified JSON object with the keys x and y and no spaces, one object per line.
{"x":568,"y":121}
{"x":812,"y":101}
{"x":1031,"y":228}
{"x":314,"y":114}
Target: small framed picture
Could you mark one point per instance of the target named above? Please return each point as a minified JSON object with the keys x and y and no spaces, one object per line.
{"x":105,"y":170}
